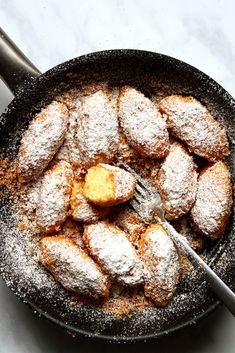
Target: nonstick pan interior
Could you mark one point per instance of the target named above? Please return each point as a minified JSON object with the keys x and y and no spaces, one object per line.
{"x":148,"y":72}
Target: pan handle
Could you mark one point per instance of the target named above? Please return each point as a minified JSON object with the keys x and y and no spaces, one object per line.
{"x":15,"y":68}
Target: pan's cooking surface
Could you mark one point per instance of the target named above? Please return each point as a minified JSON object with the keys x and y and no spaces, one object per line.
{"x":148,"y":72}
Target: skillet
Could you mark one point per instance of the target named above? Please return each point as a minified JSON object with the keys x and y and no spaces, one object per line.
{"x":148,"y":72}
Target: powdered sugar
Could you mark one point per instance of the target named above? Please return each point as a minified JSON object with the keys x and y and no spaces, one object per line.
{"x":110,"y":246}
{"x":69,"y":151}
{"x":142,"y":124}
{"x":190,"y":121}
{"x":73,"y":268}
{"x":97,"y":133}
{"x":54,"y":197}
{"x":177,"y":182}
{"x":214,"y":200}
{"x":162,"y":263}
{"x":41,"y":141}
{"x":74,"y":231}
{"x":130,"y":222}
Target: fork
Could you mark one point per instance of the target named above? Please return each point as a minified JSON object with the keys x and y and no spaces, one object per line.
{"x":147,"y":203}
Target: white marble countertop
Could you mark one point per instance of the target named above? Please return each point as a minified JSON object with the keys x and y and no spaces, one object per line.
{"x":49,"y":32}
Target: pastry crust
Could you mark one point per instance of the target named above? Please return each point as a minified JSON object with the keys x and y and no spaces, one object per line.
{"x":213,"y":204}
{"x":148,"y":168}
{"x":54,"y":196}
{"x":190,"y":121}
{"x":41,"y":141}
{"x":74,"y":231}
{"x":106,"y":185}
{"x":162,"y":265}
{"x":97,"y":133}
{"x":69,"y":151}
{"x":73,"y":268}
{"x":110,"y":247}
{"x":142,"y":124}
{"x":177,"y":182}
{"x":81,"y":209}
{"x":131,"y":223}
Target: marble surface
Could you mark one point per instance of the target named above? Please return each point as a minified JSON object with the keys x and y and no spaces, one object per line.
{"x":52,"y":31}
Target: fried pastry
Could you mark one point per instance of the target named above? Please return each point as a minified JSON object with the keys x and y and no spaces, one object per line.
{"x":213,"y":201}
{"x":106,"y":185}
{"x":142,"y":124}
{"x":73,"y":268}
{"x":97,"y":133}
{"x":148,"y":168}
{"x":81,"y":209}
{"x":177,"y":182}
{"x":162,"y":265}
{"x":110,"y":247}
{"x":54,"y":197}
{"x":69,"y":151}
{"x":74,"y":231}
{"x":190,"y":121}
{"x":41,"y":141}
{"x":131,"y":223}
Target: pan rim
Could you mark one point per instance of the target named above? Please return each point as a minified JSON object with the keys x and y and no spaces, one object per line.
{"x":123,"y":339}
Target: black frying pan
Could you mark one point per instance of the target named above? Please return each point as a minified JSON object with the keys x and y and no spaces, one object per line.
{"x":148,"y":72}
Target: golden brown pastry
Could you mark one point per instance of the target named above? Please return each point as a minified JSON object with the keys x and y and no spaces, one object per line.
{"x":106,"y":185}
{"x":162,"y":263}
{"x":74,"y":231}
{"x":41,"y":141}
{"x":148,"y":168}
{"x":73,"y":268}
{"x":54,"y":196}
{"x":143,"y":126}
{"x":130,"y":222}
{"x":97,"y":133}
{"x":110,"y":247}
{"x":213,"y":201}
{"x":190,"y":121}
{"x":81,"y":209}
{"x":69,"y":151}
{"x":177,"y":181}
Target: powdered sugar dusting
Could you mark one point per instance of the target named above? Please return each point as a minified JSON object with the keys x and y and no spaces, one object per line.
{"x":190,"y":121}
{"x":41,"y":141}
{"x":130,"y":222}
{"x":162,"y":262}
{"x":74,"y":231}
{"x":110,"y":246}
{"x":214,"y":200}
{"x":72,"y":267}
{"x":142,"y":124}
{"x":69,"y":151}
{"x":177,"y":182}
{"x":97,"y":133}
{"x":54,"y":197}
